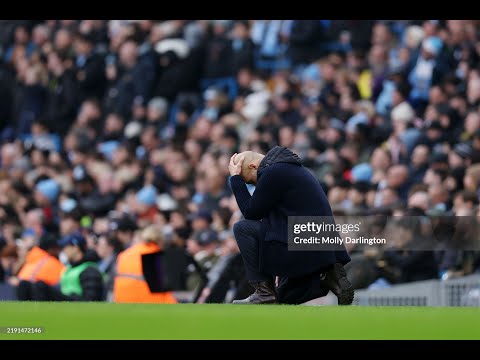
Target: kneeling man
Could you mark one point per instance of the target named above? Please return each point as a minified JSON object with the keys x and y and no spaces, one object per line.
{"x":284,"y":187}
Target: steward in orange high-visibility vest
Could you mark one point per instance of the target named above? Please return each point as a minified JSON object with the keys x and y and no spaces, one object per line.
{"x":41,"y":266}
{"x":130,"y":285}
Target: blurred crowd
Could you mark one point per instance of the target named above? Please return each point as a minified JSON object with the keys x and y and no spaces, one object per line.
{"x":115,"y":138}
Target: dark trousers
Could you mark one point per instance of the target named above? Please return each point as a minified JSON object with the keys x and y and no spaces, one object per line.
{"x":249,"y":235}
{"x":24,"y":290}
{"x":39,"y":291}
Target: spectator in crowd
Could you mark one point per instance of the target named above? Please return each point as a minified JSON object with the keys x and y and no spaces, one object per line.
{"x":218,"y":61}
{"x":123,"y":228}
{"x":242,"y":46}
{"x":61,"y":106}
{"x":426,"y":70}
{"x":133,"y":80}
{"x":405,"y":262}
{"x":201,"y":220}
{"x":22,"y":44}
{"x":89,"y":68}
{"x":203,"y":247}
{"x":46,"y":195}
{"x":226,"y":279}
{"x":108,"y":247}
{"x":305,"y":40}
{"x":145,"y":204}
{"x":8,"y":259}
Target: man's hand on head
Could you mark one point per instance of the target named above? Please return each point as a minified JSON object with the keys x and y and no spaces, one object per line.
{"x":235,"y":165}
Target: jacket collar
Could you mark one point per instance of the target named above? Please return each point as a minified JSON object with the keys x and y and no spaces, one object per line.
{"x":279,"y":154}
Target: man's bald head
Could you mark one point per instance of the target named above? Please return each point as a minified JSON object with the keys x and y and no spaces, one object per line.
{"x":251,"y":161}
{"x":248,"y":158}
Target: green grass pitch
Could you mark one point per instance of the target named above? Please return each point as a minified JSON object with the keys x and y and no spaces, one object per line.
{"x":224,"y":321}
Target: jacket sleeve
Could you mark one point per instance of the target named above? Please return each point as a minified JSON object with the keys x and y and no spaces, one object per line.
{"x":91,"y":282}
{"x":265,"y":197}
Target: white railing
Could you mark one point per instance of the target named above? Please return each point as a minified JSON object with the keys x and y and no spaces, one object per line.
{"x":463,"y":291}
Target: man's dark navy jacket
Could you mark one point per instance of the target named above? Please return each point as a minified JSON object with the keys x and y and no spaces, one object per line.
{"x":285,"y":188}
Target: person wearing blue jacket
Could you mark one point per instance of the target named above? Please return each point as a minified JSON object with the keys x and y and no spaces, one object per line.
{"x":284,"y":187}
